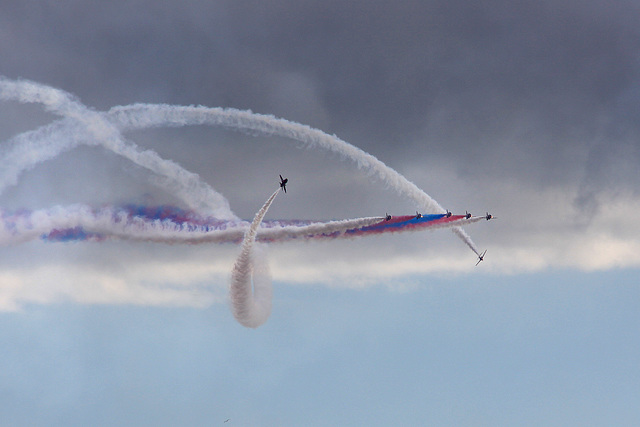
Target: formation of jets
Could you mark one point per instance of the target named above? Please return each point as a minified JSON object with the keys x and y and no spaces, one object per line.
{"x":467,"y":215}
{"x":387,"y":217}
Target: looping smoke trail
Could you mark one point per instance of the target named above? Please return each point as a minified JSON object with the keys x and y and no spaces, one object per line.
{"x":249,"y":308}
{"x":85,"y":126}
{"x":54,"y":100}
{"x":81,"y":125}
{"x":142,"y":116}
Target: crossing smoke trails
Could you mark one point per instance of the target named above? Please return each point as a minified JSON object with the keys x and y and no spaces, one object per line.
{"x":106,"y":128}
{"x":80,"y":125}
{"x":168,"y":224}
{"x":85,"y":126}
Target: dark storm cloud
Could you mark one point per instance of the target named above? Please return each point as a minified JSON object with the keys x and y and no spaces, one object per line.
{"x":543,"y":92}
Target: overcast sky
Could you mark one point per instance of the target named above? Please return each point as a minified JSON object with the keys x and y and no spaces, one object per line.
{"x":527,"y":110}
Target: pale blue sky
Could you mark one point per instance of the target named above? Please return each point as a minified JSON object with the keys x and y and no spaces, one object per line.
{"x":554,"y":348}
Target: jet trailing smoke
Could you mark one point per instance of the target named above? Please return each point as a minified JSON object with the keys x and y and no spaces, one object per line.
{"x":249,"y":308}
{"x":209,"y":218}
{"x":91,"y":127}
{"x":168,"y":224}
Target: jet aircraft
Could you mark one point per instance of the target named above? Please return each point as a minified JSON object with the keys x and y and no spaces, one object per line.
{"x":283,"y":183}
{"x":489,"y":216}
{"x":468,"y":215}
{"x":481,"y":258}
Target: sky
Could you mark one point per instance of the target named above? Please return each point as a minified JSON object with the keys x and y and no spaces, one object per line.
{"x":528,"y":111}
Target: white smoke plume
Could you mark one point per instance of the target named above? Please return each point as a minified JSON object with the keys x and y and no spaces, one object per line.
{"x":115,"y":223}
{"x":80,"y":125}
{"x":252,"y":307}
{"x":85,"y":126}
{"x":106,"y":127}
{"x":143,"y":116}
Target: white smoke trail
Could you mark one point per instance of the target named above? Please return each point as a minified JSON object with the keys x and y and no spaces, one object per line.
{"x":231,"y":232}
{"x":85,"y":126}
{"x":81,"y":222}
{"x":142,"y":116}
{"x":108,"y":223}
{"x":318,"y":229}
{"x":82,"y":125}
{"x":459,"y":231}
{"x":55,"y":100}
{"x":33,"y":147}
{"x":252,"y":307}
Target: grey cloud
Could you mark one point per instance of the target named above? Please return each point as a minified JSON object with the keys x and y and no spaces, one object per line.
{"x":502,"y":90}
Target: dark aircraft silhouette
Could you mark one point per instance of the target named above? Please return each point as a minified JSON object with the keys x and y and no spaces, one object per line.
{"x":418,"y":215}
{"x":387,"y":217}
{"x":448,"y":213}
{"x":283,"y":183}
{"x":481,"y":258}
{"x":489,"y":216}
{"x":468,"y":215}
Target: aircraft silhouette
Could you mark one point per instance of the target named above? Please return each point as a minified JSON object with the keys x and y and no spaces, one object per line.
{"x":283,"y":183}
{"x":481,"y":258}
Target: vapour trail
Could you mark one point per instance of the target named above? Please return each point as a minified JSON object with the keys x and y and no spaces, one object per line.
{"x":167,"y":224}
{"x":144,"y":116}
{"x":81,"y":125}
{"x":252,"y":307}
{"x":141,"y":116}
{"x":85,"y":126}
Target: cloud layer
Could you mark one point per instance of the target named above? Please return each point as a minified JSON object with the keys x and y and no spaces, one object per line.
{"x":527,"y":111}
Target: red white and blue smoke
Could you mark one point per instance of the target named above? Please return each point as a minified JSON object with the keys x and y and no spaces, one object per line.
{"x":170,"y":224}
{"x":208,"y":218}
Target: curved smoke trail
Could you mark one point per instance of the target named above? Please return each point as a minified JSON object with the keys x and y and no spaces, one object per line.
{"x":252,"y":307}
{"x":106,"y":128}
{"x":85,"y":126}
{"x":81,"y":125}
{"x":143,"y":116}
